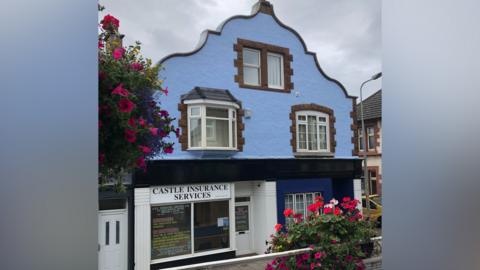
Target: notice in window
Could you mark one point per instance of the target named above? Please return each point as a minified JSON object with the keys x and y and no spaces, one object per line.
{"x":171,"y":230}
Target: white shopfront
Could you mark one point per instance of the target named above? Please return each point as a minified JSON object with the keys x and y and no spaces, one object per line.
{"x":178,"y":222}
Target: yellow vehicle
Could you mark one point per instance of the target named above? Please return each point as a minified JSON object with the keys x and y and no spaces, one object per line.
{"x":375,"y":209}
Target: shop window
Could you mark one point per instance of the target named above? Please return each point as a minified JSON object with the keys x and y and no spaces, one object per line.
{"x":263,"y":66}
{"x":299,"y":202}
{"x":211,"y":230}
{"x":172,"y":227}
{"x":212,"y":127}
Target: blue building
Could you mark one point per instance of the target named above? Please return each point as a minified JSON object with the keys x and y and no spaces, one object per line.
{"x":263,"y":128}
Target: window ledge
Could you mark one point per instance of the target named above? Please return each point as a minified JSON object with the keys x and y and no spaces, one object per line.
{"x":259,"y":87}
{"x":313,"y":154}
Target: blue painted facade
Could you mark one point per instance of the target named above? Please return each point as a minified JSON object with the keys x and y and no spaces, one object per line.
{"x":267,"y":133}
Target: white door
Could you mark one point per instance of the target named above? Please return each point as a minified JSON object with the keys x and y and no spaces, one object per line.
{"x":112,"y":240}
{"x":243,"y":229}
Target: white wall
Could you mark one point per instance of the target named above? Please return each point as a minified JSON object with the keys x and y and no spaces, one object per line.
{"x":265,"y":213}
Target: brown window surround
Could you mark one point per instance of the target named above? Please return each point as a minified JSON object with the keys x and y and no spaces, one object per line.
{"x":378,"y":185}
{"x":264,"y":50}
{"x":293,"y":127}
{"x":376,"y":133}
{"x":183,"y":125}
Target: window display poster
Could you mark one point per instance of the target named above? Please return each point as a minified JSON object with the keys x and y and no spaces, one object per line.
{"x":171,"y":230}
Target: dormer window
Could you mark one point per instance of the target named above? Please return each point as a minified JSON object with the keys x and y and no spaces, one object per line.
{"x":263,"y":66}
{"x":210,"y":119}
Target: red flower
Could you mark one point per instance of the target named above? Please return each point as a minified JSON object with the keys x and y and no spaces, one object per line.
{"x":125,"y":105}
{"x":144,"y":149}
{"x":130,"y":135}
{"x":318,"y":255}
{"x":327,"y":210}
{"x":100,"y":44}
{"x":131,"y":122}
{"x":319,"y":199}
{"x":298,"y":216}
{"x":319,"y":204}
{"x":154,"y":131}
{"x":278,"y":227}
{"x":119,"y":90}
{"x":136,"y":66}
{"x":337,"y":211}
{"x":101,"y":158}
{"x":118,"y":53}
{"x":346,"y":199}
{"x":168,"y":149}
{"x":110,"y":22}
{"x":288,"y":212}
{"x":312,"y":207}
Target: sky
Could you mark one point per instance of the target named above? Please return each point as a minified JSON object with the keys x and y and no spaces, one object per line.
{"x":345,"y":34}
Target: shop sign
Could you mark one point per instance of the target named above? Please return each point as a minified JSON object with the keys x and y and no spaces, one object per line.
{"x":188,"y":193}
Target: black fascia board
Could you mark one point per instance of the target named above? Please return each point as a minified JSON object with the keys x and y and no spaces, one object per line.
{"x":191,"y":171}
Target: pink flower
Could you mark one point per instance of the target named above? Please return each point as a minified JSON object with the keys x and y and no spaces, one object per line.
{"x":119,"y":90}
{"x":312,"y":266}
{"x":278,"y":227}
{"x":131,"y":122}
{"x":130,"y":135}
{"x":141,"y":163}
{"x":141,"y":122}
{"x":305,"y":256}
{"x":162,"y":133}
{"x":125,"y":105}
{"x":177,"y":132}
{"x":312,"y":207}
{"x":327,"y":210}
{"x":163,"y":113}
{"x":346,"y":199}
{"x":288,"y":212}
{"x":318,"y":255}
{"x":100,"y":44}
{"x":168,"y":149}
{"x":136,"y":66}
{"x":118,"y":53}
{"x":154,"y":131}
{"x":145,"y":149}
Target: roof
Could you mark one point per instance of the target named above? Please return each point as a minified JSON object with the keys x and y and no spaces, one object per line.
{"x":372,"y":107}
{"x":210,"y":93}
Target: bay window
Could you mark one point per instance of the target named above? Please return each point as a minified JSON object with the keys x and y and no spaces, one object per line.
{"x":312,"y":131}
{"x":212,"y":126}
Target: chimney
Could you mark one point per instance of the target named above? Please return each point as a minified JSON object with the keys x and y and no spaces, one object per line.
{"x":263,"y":6}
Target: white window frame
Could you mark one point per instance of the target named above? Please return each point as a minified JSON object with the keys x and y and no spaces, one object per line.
{"x":258,"y":67}
{"x":282,"y":75}
{"x":360,"y":140}
{"x":306,"y":204}
{"x":232,"y":121}
{"x":327,"y":130}
{"x":372,"y":134}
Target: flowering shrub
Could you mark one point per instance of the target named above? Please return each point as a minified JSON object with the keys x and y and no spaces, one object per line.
{"x":132,"y":126}
{"x":333,"y":231}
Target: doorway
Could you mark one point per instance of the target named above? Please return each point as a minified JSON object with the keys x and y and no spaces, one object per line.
{"x":243,"y":226}
{"x":112,"y":240}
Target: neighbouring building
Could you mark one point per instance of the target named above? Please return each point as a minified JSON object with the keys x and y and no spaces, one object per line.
{"x":372,"y":115}
{"x":263,"y":128}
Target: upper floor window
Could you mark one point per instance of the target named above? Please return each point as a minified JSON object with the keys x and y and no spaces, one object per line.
{"x":371,"y":138}
{"x":360,"y":140}
{"x":312,"y":131}
{"x":212,"y":127}
{"x":210,"y":119}
{"x":263,"y":66}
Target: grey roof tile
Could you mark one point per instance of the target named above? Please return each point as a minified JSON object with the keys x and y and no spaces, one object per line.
{"x":372,"y":106}
{"x":209,"y":93}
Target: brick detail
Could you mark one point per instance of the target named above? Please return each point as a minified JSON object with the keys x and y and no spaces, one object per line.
{"x":312,"y":107}
{"x":264,"y":49}
{"x":353,"y":127}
